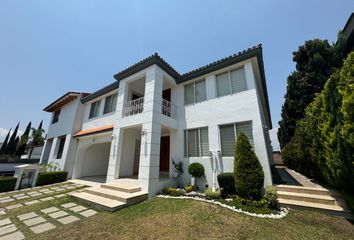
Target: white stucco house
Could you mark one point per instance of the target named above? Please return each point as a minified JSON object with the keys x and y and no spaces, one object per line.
{"x":152,"y":115}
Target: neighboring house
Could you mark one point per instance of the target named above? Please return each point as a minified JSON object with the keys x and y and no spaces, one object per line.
{"x":152,"y":115}
{"x":348,"y":32}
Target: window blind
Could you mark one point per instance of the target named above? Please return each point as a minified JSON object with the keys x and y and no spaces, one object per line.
{"x":196,"y":142}
{"x":223,"y":84}
{"x":238,"y":80}
{"x":227,"y":137}
{"x":189,"y":93}
{"x":95,"y":107}
{"x":200,"y":91}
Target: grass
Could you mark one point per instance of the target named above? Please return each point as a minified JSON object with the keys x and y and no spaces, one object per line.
{"x":160,"y":218}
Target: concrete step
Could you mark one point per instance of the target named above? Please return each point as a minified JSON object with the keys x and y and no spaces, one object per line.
{"x":310,"y":198}
{"x":325,"y":208}
{"x":98,"y":201}
{"x":128,"y":198}
{"x":122,"y":187}
{"x":306,"y":190}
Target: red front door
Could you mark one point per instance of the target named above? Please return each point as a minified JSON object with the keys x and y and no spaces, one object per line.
{"x":165,"y":154}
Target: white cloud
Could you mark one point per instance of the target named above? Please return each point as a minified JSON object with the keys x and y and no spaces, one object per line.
{"x":4,"y":131}
{"x":274,"y":138}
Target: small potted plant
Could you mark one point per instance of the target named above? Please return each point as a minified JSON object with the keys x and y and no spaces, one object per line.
{"x":196,"y":170}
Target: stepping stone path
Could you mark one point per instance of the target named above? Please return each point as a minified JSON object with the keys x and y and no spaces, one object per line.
{"x":31,"y":202}
{"x":88,"y":213}
{"x":14,"y":206}
{"x":8,"y":231}
{"x":6,"y":199}
{"x":46,"y":199}
{"x":36,"y":223}
{"x":60,"y":195}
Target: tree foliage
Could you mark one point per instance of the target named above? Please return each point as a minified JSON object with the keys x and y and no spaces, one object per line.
{"x":315,"y":61}
{"x":322,"y":146}
{"x":249,"y":176}
{"x":4,"y":144}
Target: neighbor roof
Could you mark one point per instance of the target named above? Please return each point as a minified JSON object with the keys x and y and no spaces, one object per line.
{"x":63,"y":100}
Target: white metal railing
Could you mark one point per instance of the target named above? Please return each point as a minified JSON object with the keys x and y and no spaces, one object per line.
{"x":168,"y":109}
{"x":133,"y":107}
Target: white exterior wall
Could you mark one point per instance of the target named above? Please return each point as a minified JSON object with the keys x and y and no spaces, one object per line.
{"x":215,"y":111}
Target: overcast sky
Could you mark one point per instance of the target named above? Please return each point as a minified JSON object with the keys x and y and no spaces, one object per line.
{"x":50,"y":47}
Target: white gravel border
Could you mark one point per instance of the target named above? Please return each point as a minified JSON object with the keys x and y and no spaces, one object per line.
{"x":283,"y":211}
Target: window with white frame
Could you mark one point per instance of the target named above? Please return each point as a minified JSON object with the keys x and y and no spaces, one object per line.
{"x":196,"y":142}
{"x":228,"y":135}
{"x":61,"y":147}
{"x":56,"y":116}
{"x":110,"y":103}
{"x":195,"y":92}
{"x":231,"y":82}
{"x":95,"y":109}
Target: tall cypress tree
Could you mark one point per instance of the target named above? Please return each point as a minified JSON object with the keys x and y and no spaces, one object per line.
{"x":4,"y":144}
{"x":11,"y":146}
{"x":315,"y":61}
{"x":22,"y":144}
{"x":40,"y":125}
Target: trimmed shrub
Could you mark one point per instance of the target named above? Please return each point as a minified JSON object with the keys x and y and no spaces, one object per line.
{"x":188,"y":188}
{"x":172,"y":192}
{"x":196,"y":170}
{"x":45,"y":178}
{"x":227,"y":182}
{"x":271,"y":196}
{"x":7,"y":184}
{"x":209,"y":194}
{"x":249,"y":176}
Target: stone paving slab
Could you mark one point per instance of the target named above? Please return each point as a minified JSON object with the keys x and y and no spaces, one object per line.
{"x":50,"y":210}
{"x":68,"y":219}
{"x":13,"y":236}
{"x":69,"y":205}
{"x":7,"y":229}
{"x":27,"y":216}
{"x":7,"y":200}
{"x":14,"y":206}
{"x":58,"y":214}
{"x":31,"y":202}
{"x":20,"y":196}
{"x":5,"y":221}
{"x":42,"y":227}
{"x":34,"y":221}
{"x":78,"y":208}
{"x":48,"y":192}
{"x":88,"y":213}
{"x":46,"y":199}
{"x":60,"y":195}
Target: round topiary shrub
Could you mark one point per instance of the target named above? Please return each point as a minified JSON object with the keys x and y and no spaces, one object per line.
{"x":196,"y":170}
{"x":249,"y":176}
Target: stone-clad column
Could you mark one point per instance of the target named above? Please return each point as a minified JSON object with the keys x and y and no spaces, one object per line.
{"x":117,"y":136}
{"x":149,"y":165}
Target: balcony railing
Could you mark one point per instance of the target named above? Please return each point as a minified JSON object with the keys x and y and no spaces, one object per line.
{"x":168,"y":109}
{"x":133,"y":107}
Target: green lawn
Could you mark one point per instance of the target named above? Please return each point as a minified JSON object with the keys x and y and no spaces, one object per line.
{"x":188,"y":219}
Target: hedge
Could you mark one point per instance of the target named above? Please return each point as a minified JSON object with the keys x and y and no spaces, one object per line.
{"x":227,"y":182}
{"x":45,"y":178}
{"x":7,"y":184}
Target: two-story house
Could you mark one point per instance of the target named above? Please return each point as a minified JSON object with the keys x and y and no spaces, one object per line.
{"x":151,"y":116}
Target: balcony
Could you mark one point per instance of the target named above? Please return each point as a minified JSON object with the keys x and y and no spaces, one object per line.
{"x":169,"y":109}
{"x":133,"y":107}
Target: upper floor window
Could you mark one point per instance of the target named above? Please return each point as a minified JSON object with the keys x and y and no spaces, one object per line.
{"x":95,"y":109}
{"x":56,"y":116}
{"x":231,"y":82}
{"x":196,"y":142}
{"x":195,"y":92}
{"x":228,"y":135}
{"x":61,"y":147}
{"x":110,"y":104}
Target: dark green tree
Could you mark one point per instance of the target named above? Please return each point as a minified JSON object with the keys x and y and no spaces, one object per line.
{"x":322,"y":146}
{"x":4,"y":144}
{"x":37,"y":136}
{"x":11,"y":146}
{"x":40,"y":125}
{"x":315,"y":61}
{"x":22,"y":144}
{"x":249,"y":176}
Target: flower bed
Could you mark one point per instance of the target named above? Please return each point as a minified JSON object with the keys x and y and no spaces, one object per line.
{"x":201,"y":197}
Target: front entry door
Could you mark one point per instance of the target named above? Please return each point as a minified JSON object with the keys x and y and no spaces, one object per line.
{"x":165,"y":154}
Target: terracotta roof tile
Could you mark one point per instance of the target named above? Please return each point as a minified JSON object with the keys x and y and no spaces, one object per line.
{"x":93,"y":130}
